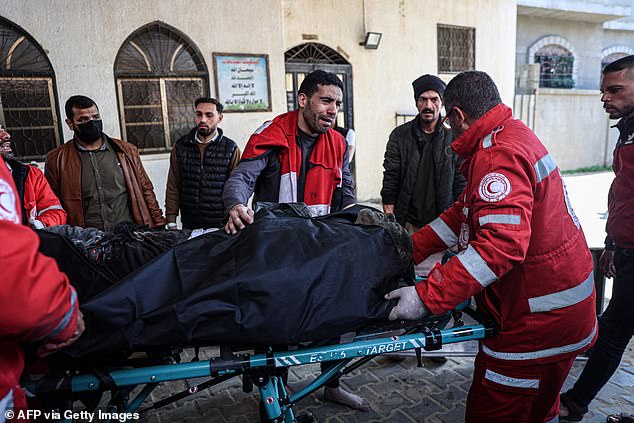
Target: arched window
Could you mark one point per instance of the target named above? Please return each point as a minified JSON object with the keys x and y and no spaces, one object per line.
{"x":611,"y":54}
{"x":28,"y":105}
{"x":556,"y":57}
{"x":159,"y":73}
{"x":556,"y":65}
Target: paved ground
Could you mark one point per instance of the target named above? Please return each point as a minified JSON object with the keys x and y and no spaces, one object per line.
{"x":398,"y":392}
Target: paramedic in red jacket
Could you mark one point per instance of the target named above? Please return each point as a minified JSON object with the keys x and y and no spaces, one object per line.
{"x":38,"y":304}
{"x":522,"y":255}
{"x":40,"y":206}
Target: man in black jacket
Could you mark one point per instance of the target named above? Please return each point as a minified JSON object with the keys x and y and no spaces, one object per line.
{"x":421,"y":177}
{"x":200,"y":164}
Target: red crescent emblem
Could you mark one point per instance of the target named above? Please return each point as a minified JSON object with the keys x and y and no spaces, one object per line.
{"x":494,"y":187}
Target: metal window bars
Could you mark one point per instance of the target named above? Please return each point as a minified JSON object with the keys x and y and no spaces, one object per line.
{"x":28,"y":106}
{"x":456,"y":48}
{"x":159,"y":73}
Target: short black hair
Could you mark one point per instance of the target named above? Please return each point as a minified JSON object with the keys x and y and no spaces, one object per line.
{"x":626,"y":62}
{"x":318,"y":77}
{"x":474,"y":92}
{"x":201,"y":100}
{"x":78,"y":102}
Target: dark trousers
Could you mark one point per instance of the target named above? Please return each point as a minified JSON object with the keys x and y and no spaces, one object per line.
{"x":616,"y":327}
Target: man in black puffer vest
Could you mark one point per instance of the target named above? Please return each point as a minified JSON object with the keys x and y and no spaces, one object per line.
{"x":200,"y":163}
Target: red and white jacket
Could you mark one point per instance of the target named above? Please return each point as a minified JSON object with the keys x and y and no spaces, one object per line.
{"x":327,"y":158}
{"x":38,"y":303}
{"x":41,"y":206}
{"x":522,"y":252}
{"x":620,"y":226}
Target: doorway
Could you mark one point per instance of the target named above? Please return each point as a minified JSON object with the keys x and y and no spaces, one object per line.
{"x":305,"y":58}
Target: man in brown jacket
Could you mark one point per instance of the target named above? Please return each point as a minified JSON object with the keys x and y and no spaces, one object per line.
{"x":99,"y":180}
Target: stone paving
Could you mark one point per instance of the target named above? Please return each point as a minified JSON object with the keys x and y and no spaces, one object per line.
{"x":397,"y":391}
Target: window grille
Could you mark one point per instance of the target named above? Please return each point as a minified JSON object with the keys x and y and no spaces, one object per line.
{"x":556,"y":65}
{"x":305,"y":58}
{"x":314,"y":53}
{"x":159,"y":74}
{"x":456,"y":48}
{"x":28,"y":105}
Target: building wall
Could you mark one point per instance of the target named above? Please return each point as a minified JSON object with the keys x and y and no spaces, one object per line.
{"x":572,"y":123}
{"x":82,"y":39}
{"x":573,"y":127}
{"x":617,"y":38}
{"x":585,"y":37}
{"x":382,"y":78}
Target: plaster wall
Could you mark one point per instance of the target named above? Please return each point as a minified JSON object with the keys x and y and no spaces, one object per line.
{"x":382,"y":78}
{"x":82,"y":39}
{"x":585,"y":38}
{"x":613,"y":38}
{"x":583,"y":143}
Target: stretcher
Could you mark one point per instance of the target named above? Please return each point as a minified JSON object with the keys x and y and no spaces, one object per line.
{"x":131,"y":382}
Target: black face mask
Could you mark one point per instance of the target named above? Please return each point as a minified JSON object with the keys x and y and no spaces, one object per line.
{"x":89,"y":131}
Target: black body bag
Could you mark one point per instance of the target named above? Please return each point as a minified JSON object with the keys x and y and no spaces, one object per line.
{"x":284,"y":279}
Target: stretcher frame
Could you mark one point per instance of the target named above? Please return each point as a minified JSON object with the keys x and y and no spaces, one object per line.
{"x":266,"y":371}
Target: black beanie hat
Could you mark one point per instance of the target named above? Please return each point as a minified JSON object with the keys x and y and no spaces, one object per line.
{"x":428,"y":82}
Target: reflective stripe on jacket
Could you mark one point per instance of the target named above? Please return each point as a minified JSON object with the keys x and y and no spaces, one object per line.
{"x":522,"y":251}
{"x":324,"y":173}
{"x":38,"y":200}
{"x":38,"y":303}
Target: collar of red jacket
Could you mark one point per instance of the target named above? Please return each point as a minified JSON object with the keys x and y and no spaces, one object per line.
{"x":281,"y":132}
{"x":467,"y":143}
{"x":272,"y":134}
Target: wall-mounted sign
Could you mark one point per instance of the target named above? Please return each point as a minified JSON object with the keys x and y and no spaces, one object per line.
{"x":242,"y":82}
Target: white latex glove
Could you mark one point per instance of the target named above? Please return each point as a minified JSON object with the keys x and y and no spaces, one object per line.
{"x":33,"y":221}
{"x":409,"y":306}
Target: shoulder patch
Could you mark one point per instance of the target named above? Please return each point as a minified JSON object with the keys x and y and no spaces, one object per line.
{"x":494,"y":187}
{"x":8,"y":210}
{"x":263,"y":127}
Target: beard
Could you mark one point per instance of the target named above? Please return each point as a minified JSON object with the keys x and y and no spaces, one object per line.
{"x":316,"y":125}
{"x":7,"y":154}
{"x":205,"y":131}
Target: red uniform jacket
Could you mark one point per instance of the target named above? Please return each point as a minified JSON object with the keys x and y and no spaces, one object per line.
{"x":38,"y":304}
{"x":620,"y":226}
{"x":40,"y":203}
{"x":327,"y":157}
{"x":522,"y":251}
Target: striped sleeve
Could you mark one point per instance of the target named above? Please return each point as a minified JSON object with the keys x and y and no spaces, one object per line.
{"x":38,"y":301}
{"x":49,"y":210}
{"x":440,"y":234}
{"x":500,"y":211}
